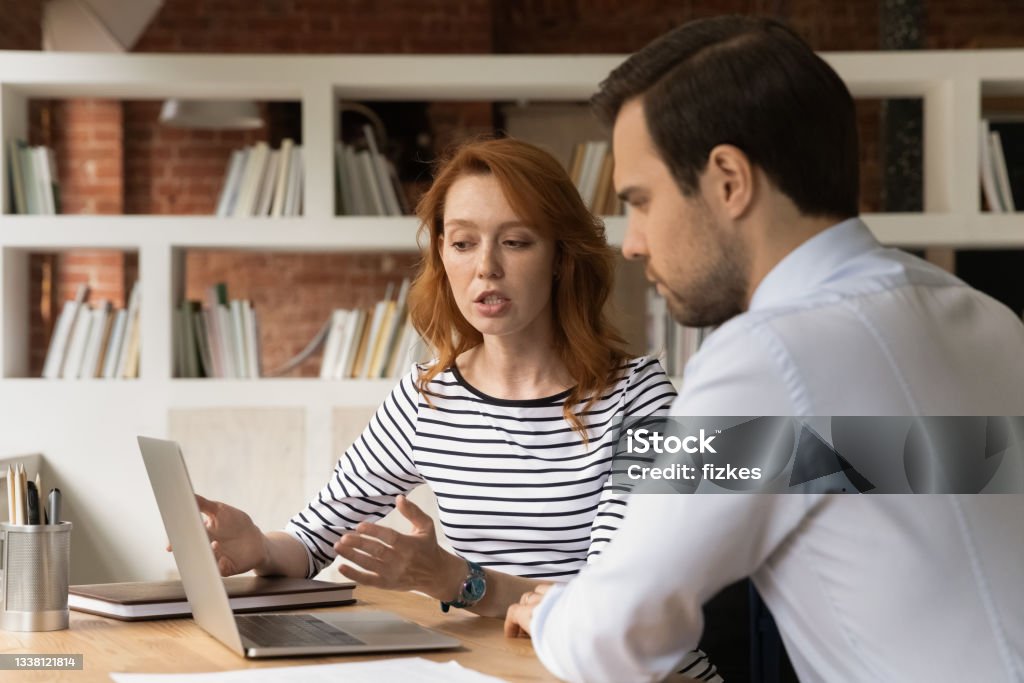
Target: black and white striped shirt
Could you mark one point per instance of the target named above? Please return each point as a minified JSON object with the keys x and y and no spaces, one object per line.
{"x":517,"y":489}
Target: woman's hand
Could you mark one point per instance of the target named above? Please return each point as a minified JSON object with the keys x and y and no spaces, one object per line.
{"x":519,"y":615}
{"x":238,"y":544}
{"x":396,"y":561}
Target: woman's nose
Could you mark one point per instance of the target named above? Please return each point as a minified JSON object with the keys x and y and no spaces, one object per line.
{"x":488,"y":265}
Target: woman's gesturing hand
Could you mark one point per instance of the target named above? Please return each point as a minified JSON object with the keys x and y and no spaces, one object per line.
{"x":238,"y":544}
{"x":386,"y":558}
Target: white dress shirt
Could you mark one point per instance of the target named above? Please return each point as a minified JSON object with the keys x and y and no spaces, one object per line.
{"x":862,"y":587}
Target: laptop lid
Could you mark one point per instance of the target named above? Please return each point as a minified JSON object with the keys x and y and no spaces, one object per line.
{"x":191,"y":546}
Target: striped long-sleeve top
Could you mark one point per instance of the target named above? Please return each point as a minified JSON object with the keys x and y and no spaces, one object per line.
{"x":517,"y":488}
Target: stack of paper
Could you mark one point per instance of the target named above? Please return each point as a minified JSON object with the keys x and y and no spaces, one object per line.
{"x":395,"y":669}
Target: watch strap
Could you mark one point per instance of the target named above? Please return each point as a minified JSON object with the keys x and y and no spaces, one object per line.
{"x":473,"y":588}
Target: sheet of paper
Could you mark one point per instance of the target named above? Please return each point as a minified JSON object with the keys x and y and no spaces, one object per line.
{"x":380,"y":671}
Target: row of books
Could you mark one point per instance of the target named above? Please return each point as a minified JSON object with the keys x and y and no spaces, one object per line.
{"x":591,"y":171}
{"x":261,"y":181}
{"x":667,"y":340}
{"x":95,"y":342}
{"x":33,"y":174}
{"x":220,"y":340}
{"x":1001,"y":157}
{"x":367,"y":183}
{"x":370,"y":343}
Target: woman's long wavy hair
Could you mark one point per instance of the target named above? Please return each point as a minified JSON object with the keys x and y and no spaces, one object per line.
{"x":542,"y":195}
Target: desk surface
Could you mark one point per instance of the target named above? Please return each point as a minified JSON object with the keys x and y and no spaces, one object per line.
{"x":178,"y":645}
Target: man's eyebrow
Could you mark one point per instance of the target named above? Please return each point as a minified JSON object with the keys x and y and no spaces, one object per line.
{"x":625,"y":193}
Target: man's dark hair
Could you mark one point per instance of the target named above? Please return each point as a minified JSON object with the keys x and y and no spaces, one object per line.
{"x":752,"y":83}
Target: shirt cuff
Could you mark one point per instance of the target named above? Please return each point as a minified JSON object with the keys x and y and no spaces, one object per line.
{"x":537,"y":623}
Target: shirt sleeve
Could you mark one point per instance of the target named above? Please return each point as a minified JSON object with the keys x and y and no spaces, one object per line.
{"x":648,"y":393}
{"x":375,"y":469}
{"x":636,"y":613}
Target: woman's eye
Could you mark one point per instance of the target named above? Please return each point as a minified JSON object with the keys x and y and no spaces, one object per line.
{"x":516,"y":244}
{"x":460,"y":246}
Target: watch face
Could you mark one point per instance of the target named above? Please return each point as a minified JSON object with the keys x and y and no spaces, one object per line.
{"x":475,"y":587}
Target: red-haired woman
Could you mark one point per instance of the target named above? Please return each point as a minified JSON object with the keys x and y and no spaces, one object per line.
{"x":512,"y":425}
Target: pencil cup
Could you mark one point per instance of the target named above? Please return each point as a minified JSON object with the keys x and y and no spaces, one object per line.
{"x":35,"y":562}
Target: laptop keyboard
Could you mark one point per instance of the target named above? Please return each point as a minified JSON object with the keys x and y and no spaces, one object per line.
{"x":291,"y":630}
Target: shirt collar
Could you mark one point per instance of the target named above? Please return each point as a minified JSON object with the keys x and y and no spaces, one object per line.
{"x":811,"y":263}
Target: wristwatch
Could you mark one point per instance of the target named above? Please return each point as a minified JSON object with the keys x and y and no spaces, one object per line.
{"x":472,"y":591}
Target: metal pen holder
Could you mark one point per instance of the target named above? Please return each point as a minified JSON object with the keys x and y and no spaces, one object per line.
{"x":35,"y":561}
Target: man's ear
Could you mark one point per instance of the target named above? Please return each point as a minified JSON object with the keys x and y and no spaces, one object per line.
{"x":729,"y":180}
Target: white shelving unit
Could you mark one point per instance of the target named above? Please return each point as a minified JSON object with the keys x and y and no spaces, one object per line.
{"x":86,"y":429}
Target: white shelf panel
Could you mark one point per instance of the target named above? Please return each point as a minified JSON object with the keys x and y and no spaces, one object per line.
{"x":915,"y":230}
{"x":349,"y":233}
{"x":477,"y":77}
{"x":357,"y":233}
{"x":976,"y":231}
{"x":434,"y":77}
{"x":218,"y":393}
{"x":198,"y":393}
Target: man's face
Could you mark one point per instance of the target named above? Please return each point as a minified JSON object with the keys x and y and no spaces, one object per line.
{"x":697,"y":263}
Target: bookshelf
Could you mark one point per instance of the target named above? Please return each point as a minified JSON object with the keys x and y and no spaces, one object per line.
{"x":86,"y":429}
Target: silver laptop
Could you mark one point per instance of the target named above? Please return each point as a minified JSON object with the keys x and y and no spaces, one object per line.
{"x":260,"y":635}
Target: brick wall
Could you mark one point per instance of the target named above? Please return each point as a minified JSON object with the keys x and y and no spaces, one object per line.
{"x":293,"y":293}
{"x":87,"y":137}
{"x":173,"y":170}
{"x":152,"y":169}
{"x":20,"y":24}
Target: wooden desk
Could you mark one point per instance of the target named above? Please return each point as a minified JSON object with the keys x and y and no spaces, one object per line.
{"x":178,"y":645}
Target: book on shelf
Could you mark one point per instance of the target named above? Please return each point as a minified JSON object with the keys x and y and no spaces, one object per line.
{"x":283,"y":175}
{"x":591,"y":171}
{"x":332,"y":347}
{"x":229,"y":192}
{"x":986,"y":169}
{"x":113,"y":352}
{"x":372,"y":343}
{"x":33,"y":178}
{"x":220,"y":341}
{"x":1002,"y":175}
{"x":53,"y":366}
{"x":135,"y":601}
{"x":128,"y":358}
{"x":296,"y":181}
{"x":1001,"y":161}
{"x":94,"y":342}
{"x":76,"y":345}
{"x":260,"y":181}
{"x":374,"y":324}
{"x":574,"y":136}
{"x":367,"y":183}
{"x":99,"y":331}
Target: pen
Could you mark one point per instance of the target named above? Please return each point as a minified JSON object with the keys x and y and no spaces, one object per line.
{"x":42,"y":498}
{"x":32,"y":502}
{"x":19,"y":495}
{"x":54,"y":506}
{"x":11,"y":515}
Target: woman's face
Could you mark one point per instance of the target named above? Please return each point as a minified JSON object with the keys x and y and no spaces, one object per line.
{"x":500,"y":268}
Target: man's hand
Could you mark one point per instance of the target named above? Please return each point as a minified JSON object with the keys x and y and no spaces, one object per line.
{"x":517,"y":619}
{"x":388,"y":559}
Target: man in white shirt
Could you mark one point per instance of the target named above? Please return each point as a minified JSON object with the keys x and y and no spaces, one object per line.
{"x":736,"y":148}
